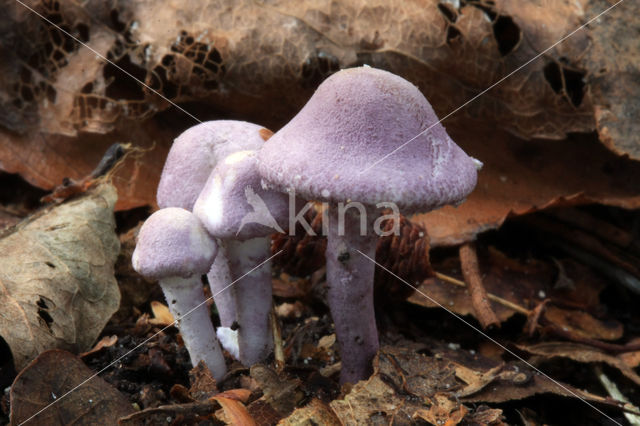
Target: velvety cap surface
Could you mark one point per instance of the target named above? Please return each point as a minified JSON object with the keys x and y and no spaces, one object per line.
{"x":173,"y":243}
{"x":233,"y":203}
{"x":196,"y":152}
{"x":355,"y":118}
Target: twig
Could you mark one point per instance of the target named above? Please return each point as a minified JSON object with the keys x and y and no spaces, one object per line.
{"x":277,"y":341}
{"x":492,"y":297}
{"x":479,"y":299}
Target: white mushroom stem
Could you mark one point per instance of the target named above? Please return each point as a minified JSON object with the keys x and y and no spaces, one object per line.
{"x":350,"y":293}
{"x":253,"y":297}
{"x":183,"y":295}
{"x":224,"y":295}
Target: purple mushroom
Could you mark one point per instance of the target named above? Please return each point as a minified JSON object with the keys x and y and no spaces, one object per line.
{"x":355,"y":118}
{"x":235,"y":208}
{"x":174,"y":248}
{"x":192,"y":157}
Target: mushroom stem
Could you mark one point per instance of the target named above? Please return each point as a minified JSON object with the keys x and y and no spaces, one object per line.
{"x":350,"y":294}
{"x":183,"y":295}
{"x":253,"y":297}
{"x":219,"y":278}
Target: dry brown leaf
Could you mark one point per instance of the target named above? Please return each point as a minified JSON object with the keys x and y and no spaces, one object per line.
{"x":281,"y":393}
{"x":203,"y":385}
{"x":405,"y":385}
{"x":52,"y":375}
{"x":161,"y":314}
{"x":474,"y":378}
{"x":523,"y":283}
{"x":404,"y":380}
{"x":581,"y":353}
{"x":584,"y":325}
{"x":443,"y":411}
{"x":631,"y":359}
{"x":315,"y":412}
{"x":105,"y":342}
{"x":235,"y":413}
{"x":521,"y":177}
{"x":58,"y":288}
{"x":614,"y":74}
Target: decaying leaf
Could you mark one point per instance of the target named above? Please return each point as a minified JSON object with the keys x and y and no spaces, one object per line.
{"x":105,"y":342}
{"x":58,"y":288}
{"x":522,"y":283}
{"x":613,"y":77}
{"x":233,"y":411}
{"x":405,"y":385}
{"x":582,"y":324}
{"x":521,"y":177}
{"x":280,"y":393}
{"x":161,"y":314}
{"x":203,"y":385}
{"x":314,"y":413}
{"x":52,"y":375}
{"x":228,"y":53}
{"x":442,"y":411}
{"x":580,"y":353}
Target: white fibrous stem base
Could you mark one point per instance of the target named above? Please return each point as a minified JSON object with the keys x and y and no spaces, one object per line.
{"x":183,"y":295}
{"x":253,"y":297}
{"x":229,"y":340}
{"x":350,"y":292}
{"x":224,"y":294}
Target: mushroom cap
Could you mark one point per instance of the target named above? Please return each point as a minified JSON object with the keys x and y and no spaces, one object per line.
{"x":354,"y":119}
{"x":173,"y":243}
{"x":234,"y":205}
{"x":196,"y":152}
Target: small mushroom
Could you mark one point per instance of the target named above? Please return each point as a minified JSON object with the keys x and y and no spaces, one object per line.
{"x":235,"y":208}
{"x":175,"y":249}
{"x":355,"y":119}
{"x":192,"y":157}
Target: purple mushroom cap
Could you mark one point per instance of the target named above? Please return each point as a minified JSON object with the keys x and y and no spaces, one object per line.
{"x":173,"y":243}
{"x":355,"y":118}
{"x":196,"y":152}
{"x":234,"y":205}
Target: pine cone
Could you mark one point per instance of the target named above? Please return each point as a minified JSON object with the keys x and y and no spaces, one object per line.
{"x":406,"y":255}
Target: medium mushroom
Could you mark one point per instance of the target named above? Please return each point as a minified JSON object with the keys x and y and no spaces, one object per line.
{"x":235,"y":208}
{"x":176,"y":250}
{"x":356,"y":118}
{"x":192,"y":157}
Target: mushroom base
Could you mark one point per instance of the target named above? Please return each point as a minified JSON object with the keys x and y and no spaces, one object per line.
{"x":186,"y":301}
{"x":350,"y":293}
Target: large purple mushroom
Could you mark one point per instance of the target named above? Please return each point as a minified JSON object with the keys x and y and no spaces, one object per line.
{"x":355,"y":119}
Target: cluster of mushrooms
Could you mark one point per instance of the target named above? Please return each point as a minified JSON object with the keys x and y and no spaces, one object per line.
{"x":225,"y":188}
